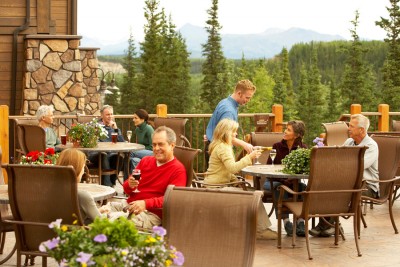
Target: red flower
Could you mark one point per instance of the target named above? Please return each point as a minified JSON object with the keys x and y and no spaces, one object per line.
{"x":49,"y":151}
{"x":47,"y":161}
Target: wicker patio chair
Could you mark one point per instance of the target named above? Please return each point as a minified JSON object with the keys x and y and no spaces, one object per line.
{"x":31,"y":138}
{"x":212,"y":227}
{"x":39,"y":195}
{"x":186,"y":156}
{"x":388,"y":162}
{"x":176,"y":124}
{"x":333,"y":190}
{"x":335,"y":133}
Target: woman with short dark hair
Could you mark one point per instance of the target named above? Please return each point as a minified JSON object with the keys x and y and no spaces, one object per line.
{"x":292,"y":140}
{"x":144,"y":133}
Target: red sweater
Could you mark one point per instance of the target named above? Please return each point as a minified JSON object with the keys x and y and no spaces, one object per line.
{"x":154,"y":181}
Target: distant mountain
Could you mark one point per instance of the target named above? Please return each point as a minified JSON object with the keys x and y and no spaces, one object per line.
{"x":263,"y":45}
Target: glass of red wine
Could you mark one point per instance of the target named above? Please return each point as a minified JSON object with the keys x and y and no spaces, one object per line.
{"x":136,"y":176}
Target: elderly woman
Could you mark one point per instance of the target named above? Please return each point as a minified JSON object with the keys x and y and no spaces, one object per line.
{"x":223,"y":166}
{"x":292,"y":140}
{"x":44,"y":115}
{"x":77,"y":159}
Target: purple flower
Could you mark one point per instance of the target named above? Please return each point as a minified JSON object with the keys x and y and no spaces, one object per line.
{"x":84,"y":258}
{"x":179,"y":258}
{"x":160,"y":231}
{"x":319,"y":141}
{"x":49,"y":244}
{"x":100,"y":238}
{"x":56,"y":223}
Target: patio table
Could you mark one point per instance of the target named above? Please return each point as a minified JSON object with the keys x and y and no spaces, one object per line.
{"x":109,"y":147}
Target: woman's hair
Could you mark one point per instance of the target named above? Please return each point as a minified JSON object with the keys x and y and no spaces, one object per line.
{"x":298,"y":128}
{"x":223,"y":133}
{"x":43,"y":110}
{"x":72,"y":157}
{"x":141,"y":113}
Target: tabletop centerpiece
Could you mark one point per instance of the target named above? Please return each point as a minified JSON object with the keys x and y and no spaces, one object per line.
{"x":110,"y":243}
{"x":298,"y":161}
{"x":49,"y":156}
{"x":87,"y":134}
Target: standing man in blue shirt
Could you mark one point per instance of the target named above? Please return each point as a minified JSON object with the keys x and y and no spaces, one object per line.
{"x":228,"y":108}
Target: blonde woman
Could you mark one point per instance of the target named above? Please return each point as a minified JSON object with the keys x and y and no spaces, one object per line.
{"x":77,"y":159}
{"x":222,"y":168}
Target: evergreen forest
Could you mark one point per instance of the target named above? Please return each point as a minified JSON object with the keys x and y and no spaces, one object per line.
{"x":315,"y":82}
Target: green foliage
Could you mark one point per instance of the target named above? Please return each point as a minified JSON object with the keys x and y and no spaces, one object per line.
{"x":107,"y":243}
{"x":391,"y":67}
{"x":214,"y":84}
{"x":358,"y":79}
{"x":297,"y":162}
{"x":87,"y":134}
{"x":128,"y":86}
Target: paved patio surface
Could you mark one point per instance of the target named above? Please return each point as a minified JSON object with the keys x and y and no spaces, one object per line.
{"x":379,"y":245}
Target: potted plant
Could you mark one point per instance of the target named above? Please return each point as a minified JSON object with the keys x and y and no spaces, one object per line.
{"x":87,"y":134}
{"x":110,"y":243}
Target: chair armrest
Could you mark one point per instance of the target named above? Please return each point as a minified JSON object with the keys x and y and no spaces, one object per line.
{"x":384,"y":181}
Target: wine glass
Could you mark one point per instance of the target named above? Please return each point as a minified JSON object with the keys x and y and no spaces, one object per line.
{"x":259,"y":148}
{"x":129,"y":135}
{"x":136,"y":176}
{"x":272,"y":154}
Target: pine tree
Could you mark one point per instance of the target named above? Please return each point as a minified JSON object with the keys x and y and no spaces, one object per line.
{"x":151,"y":57}
{"x":316,"y":100}
{"x":129,"y":95}
{"x":391,"y":68}
{"x":358,"y":80}
{"x":214,"y":83}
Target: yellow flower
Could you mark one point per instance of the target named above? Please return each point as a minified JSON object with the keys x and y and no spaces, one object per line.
{"x":84,"y":264}
{"x":151,"y":239}
{"x":168,"y":263}
{"x":64,"y":228}
{"x":124,"y":252}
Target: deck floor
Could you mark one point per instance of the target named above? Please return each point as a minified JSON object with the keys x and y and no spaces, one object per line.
{"x":379,"y":245}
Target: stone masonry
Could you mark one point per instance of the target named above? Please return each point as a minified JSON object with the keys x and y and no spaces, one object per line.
{"x":57,"y":72}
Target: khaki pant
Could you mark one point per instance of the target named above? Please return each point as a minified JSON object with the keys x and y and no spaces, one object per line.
{"x":144,"y":220}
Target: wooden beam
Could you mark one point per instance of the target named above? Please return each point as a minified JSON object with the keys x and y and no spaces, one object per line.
{"x":4,"y":136}
{"x":43,"y":16}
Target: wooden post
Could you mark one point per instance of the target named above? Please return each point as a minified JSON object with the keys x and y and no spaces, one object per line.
{"x":355,"y":109}
{"x":277,"y":109}
{"x":383,"y":122}
{"x":161,"y":110}
{"x":4,"y":137}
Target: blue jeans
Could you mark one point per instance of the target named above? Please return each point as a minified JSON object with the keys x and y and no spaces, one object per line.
{"x":276,"y":191}
{"x":136,"y":156}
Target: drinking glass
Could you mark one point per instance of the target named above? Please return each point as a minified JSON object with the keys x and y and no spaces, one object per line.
{"x":272,"y":154}
{"x":136,"y":176}
{"x":129,"y":135}
{"x":259,"y":148}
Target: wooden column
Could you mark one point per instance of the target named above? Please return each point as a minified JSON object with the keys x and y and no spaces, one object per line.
{"x":355,"y":109}
{"x":383,"y":122}
{"x":43,"y":16}
{"x":277,"y":126}
{"x":161,"y":110}
{"x":4,"y":136}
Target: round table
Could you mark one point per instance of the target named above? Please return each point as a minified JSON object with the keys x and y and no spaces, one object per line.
{"x":98,"y":192}
{"x":108,"y":147}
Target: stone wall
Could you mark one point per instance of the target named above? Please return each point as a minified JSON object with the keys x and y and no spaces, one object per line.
{"x":90,"y":80}
{"x":56,"y":73}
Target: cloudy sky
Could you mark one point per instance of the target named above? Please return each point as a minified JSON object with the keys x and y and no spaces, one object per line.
{"x":111,"y":21}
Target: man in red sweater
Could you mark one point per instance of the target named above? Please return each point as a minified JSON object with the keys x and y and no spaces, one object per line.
{"x":157,"y":172}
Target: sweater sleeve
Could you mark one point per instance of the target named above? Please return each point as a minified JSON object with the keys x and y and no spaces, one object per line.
{"x":225,"y":153}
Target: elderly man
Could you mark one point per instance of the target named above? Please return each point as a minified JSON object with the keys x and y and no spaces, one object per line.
{"x":109,"y":161}
{"x":157,"y":172}
{"x":358,"y":128}
{"x":228,"y":108}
